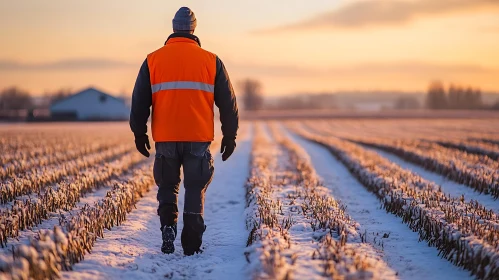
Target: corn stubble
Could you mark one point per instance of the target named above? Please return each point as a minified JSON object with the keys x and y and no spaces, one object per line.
{"x":466,"y":233}
{"x":60,"y":248}
{"x":272,"y":251}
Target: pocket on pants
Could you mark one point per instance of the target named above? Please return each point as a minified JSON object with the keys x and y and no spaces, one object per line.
{"x":208,"y":167}
{"x":199,"y":149}
{"x":167,"y":149}
{"x":159,"y":162}
{"x":164,"y":151}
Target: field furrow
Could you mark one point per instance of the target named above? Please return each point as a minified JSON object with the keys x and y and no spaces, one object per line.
{"x":36,"y":180}
{"x":338,"y":198}
{"x":478,"y":172}
{"x":132,"y":250}
{"x":53,"y":218}
{"x":485,"y":139}
{"x":66,"y":244}
{"x":32,"y":211}
{"x":294,"y":217}
{"x":465,"y":233}
{"x":473,"y":147}
{"x":449,"y":187}
{"x":20,"y":164}
{"x":401,"y":246}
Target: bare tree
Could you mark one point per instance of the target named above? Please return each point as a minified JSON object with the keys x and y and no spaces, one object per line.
{"x":467,"y":99}
{"x":473,"y":98}
{"x":252,"y":94}
{"x":436,"y":98}
{"x":59,"y":95}
{"x":496,"y":105}
{"x":15,"y":99}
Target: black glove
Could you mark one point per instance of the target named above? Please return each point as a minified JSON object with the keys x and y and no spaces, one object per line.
{"x":228,"y":147}
{"x":142,"y":144}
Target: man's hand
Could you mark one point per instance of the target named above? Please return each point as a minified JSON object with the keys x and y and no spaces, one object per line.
{"x":142,"y":144}
{"x":228,"y":147}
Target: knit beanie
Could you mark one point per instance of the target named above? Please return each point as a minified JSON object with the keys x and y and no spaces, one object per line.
{"x":184,"y":20}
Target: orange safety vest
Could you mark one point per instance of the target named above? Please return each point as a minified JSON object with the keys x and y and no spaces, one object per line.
{"x":183,"y":83}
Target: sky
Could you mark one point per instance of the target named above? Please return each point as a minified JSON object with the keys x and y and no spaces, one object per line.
{"x":289,"y":46}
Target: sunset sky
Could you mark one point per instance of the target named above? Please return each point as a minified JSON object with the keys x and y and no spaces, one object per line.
{"x":291,"y":46}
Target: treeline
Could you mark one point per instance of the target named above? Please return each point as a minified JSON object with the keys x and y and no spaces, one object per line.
{"x":19,"y":105}
{"x":303,"y":102}
{"x":253,"y":99}
{"x":14,"y":98}
{"x":453,"y":98}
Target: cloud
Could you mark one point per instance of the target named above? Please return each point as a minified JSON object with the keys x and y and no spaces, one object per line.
{"x":381,"y":13}
{"x":413,"y":67}
{"x":64,"y":65}
{"x":410,"y":68}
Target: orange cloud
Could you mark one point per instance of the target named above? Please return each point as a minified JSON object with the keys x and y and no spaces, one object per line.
{"x":65,"y":65}
{"x":382,"y":13}
{"x":366,"y":69}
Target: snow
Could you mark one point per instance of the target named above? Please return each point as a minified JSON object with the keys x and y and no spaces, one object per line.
{"x":278,"y":252}
{"x":132,"y":250}
{"x":448,"y":186}
{"x":402,"y":250}
{"x":53,"y":220}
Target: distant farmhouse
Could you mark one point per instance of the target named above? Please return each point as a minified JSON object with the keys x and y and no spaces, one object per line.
{"x":90,"y":105}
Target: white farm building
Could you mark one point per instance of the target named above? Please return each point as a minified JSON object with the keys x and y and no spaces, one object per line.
{"x":90,"y":105}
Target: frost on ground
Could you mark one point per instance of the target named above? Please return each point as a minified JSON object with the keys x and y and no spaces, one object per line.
{"x":298,"y":230}
{"x":325,"y":228}
{"x":452,"y":188}
{"x":402,"y":249}
{"x":132,"y":250}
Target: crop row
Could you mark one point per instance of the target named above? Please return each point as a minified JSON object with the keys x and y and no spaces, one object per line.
{"x":21,"y":164}
{"x":32,"y":145}
{"x":58,"y":249}
{"x":35,"y":180}
{"x":341,"y":248}
{"x":473,"y":147}
{"x":400,"y":130}
{"x":29,"y":212}
{"x":283,"y":191}
{"x":465,"y":233}
{"x":469,"y":162}
{"x":485,"y":139}
{"x":268,"y":236}
{"x":478,"y":172}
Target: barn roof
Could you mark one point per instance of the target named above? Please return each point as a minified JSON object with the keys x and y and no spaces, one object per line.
{"x":90,"y":89}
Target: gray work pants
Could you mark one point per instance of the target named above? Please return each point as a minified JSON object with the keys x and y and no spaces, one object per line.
{"x":197,"y":163}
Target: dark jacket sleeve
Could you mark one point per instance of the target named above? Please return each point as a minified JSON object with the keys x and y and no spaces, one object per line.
{"x":141,"y":101}
{"x":225,"y":99}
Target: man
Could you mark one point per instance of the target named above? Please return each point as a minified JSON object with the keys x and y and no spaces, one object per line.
{"x":181,"y":82}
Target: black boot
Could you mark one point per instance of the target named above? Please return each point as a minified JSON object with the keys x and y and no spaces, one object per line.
{"x":168,"y":216}
{"x":168,"y":233}
{"x":192,"y":234}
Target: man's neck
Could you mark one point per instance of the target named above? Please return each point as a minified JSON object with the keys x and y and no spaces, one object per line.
{"x":184,"y":35}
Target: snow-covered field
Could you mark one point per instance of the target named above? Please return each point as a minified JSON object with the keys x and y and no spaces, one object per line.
{"x":321,"y":199}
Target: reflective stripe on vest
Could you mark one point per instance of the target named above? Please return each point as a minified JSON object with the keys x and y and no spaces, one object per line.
{"x":183,"y":85}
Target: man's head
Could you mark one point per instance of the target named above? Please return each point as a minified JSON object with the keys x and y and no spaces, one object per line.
{"x":184,"y":21}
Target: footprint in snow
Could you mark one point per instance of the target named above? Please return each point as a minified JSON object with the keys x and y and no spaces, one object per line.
{"x":133,"y":266}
